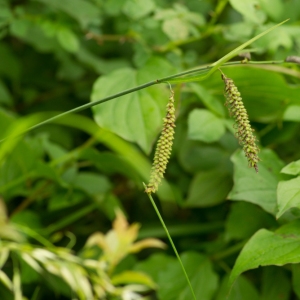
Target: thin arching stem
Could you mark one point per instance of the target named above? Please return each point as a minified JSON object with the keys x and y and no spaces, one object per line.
{"x":172,"y":244}
{"x":201,"y":70}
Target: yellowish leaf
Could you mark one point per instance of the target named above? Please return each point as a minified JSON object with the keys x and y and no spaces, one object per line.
{"x":133,"y":277}
{"x":147,"y":243}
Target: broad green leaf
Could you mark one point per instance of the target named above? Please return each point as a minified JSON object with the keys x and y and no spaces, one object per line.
{"x":113,"y":7}
{"x":238,"y":31}
{"x":92,"y":183}
{"x":249,"y":9}
{"x":280,"y":38}
{"x":137,"y":9}
{"x":258,"y":188}
{"x":136,"y":117}
{"x":208,"y":99}
{"x":61,"y":200}
{"x":133,"y":156}
{"x":204,"y":126}
{"x":288,"y":195}
{"x":83,"y":11}
{"x":149,"y":266}
{"x":110,"y":163}
{"x":245,"y":219}
{"x":197,"y":156}
{"x":243,"y":289}
{"x":172,"y":283}
{"x":275,"y":284}
{"x":209,"y":188}
{"x":273,"y":8}
{"x":292,"y":168}
{"x":269,"y":248}
{"x":292,"y":113}
{"x":68,"y":39}
{"x":176,"y":29}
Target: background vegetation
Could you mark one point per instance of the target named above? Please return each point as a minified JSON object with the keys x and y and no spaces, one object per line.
{"x":63,"y":184}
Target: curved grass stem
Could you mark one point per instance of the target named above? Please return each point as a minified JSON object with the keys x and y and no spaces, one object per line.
{"x":178,"y":78}
{"x":172,"y":244}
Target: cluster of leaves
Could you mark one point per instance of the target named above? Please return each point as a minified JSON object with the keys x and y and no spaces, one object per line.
{"x":62,"y":182}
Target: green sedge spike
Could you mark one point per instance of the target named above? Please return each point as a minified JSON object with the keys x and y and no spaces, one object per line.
{"x":244,"y":132}
{"x":163,"y":148}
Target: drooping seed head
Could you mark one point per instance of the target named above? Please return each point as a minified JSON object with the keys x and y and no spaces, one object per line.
{"x":244,"y":132}
{"x":163,"y":148}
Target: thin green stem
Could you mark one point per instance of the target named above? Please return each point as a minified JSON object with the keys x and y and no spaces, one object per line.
{"x":202,"y":69}
{"x":171,"y":242}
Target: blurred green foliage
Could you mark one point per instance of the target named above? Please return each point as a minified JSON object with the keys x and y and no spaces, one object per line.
{"x":62,"y":183}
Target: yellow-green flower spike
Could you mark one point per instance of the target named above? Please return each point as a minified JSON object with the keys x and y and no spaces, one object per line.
{"x":163,"y":148}
{"x":244,"y":132}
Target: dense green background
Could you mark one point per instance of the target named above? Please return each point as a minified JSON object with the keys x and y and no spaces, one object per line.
{"x":62,"y":182}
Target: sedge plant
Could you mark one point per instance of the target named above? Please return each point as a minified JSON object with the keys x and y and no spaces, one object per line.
{"x":164,"y":146}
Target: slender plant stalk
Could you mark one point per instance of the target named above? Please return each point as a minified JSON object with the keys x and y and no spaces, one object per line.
{"x":178,"y":77}
{"x":171,"y":242}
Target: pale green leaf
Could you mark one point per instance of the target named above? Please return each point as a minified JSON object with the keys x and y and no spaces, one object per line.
{"x":4,"y":253}
{"x":273,"y":8}
{"x":249,"y":9}
{"x":172,"y":283}
{"x":204,"y":126}
{"x":292,"y":113}
{"x":258,"y":188}
{"x":6,"y":280}
{"x":31,"y":262}
{"x":176,"y":29}
{"x":68,"y":39}
{"x":288,"y":195}
{"x":269,"y":248}
{"x":292,"y":168}
{"x":137,"y":9}
{"x":127,"y":277}
{"x":83,"y":11}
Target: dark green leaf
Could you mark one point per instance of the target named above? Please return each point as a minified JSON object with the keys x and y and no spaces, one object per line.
{"x":244,"y":220}
{"x":296,"y":279}
{"x":275,"y":284}
{"x":204,"y":126}
{"x":242,"y":289}
{"x":173,"y":285}
{"x":209,"y":188}
{"x":258,"y":188}
{"x":269,"y":248}
{"x":288,"y":194}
